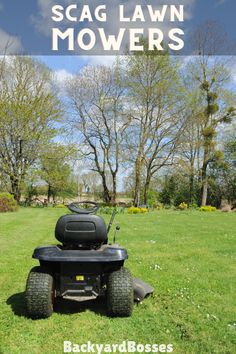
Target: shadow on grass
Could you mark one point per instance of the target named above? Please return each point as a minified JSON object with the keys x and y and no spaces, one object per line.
{"x":17,"y":303}
{"x":68,"y":306}
{"x":64,"y":306}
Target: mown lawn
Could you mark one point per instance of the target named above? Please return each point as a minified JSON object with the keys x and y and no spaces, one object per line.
{"x":188,"y":257}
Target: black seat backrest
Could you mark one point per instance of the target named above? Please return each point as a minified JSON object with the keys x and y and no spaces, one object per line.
{"x":81,"y":229}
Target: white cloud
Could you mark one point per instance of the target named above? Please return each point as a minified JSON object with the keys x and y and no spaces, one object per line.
{"x":107,"y":60}
{"x":62,"y":75}
{"x":1,"y":6}
{"x":9,"y":44}
{"x":42,"y":21}
{"x":233,"y":73}
{"x":60,"y":78}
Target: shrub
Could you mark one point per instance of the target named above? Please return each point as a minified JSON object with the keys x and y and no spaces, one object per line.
{"x":158,"y":206}
{"x":207,"y":208}
{"x":59,"y":206}
{"x":109,"y":210}
{"x":168,"y":206}
{"x":135,"y":210}
{"x":7,"y":202}
{"x":143,"y":210}
{"x":183,"y":206}
{"x":120,"y":210}
{"x":193,"y":206}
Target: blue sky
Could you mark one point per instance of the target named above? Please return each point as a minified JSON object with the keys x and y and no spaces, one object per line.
{"x":28,"y":22}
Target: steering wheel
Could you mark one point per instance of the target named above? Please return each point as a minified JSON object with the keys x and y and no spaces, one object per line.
{"x":75,"y":207}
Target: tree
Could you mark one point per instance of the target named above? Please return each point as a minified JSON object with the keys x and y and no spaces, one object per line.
{"x":57,"y":172}
{"x":227,"y":175}
{"x":188,"y":154}
{"x":212,"y":75}
{"x":97,"y":100}
{"x":91,"y":183}
{"x":28,"y":111}
{"x":154,"y":104}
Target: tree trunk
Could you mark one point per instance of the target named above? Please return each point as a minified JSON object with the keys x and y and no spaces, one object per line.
{"x":204,"y":179}
{"x":113,"y":197}
{"x":191,"y":189}
{"x":49,"y":193}
{"x":106,"y":193}
{"x":15,"y":189}
{"x":137,"y":189}
{"x":204,"y":192}
{"x":146,"y":188}
{"x":191,"y":184}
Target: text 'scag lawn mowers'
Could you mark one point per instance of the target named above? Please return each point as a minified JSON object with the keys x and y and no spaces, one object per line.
{"x":84,"y":265}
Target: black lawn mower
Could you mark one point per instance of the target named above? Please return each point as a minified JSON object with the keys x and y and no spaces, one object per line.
{"x":84,"y":265}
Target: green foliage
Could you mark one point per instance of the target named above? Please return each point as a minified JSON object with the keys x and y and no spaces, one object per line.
{"x":230,"y":153}
{"x":28,"y":109}
{"x":209,"y":132}
{"x":193,"y":206}
{"x":30,"y":191}
{"x":205,"y":85}
{"x":57,"y":172}
{"x":174,"y":190}
{"x":7,"y":203}
{"x":158,"y":205}
{"x":168,"y":207}
{"x":152,"y":198}
{"x":109,"y":210}
{"x":227,"y":118}
{"x":212,"y":109}
{"x":207,"y":208}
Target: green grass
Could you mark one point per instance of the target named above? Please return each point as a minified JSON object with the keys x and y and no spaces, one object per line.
{"x":188,"y":257}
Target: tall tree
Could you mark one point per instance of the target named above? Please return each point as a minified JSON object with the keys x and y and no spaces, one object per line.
{"x":188,"y":154}
{"x":28,"y":111}
{"x":97,"y":100}
{"x":218,"y":108}
{"x":154,"y":103}
{"x":212,"y":74}
{"x":228,"y":171}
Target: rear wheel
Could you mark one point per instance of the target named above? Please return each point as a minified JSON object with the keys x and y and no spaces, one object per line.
{"x":39,"y":293}
{"x":120,"y":293}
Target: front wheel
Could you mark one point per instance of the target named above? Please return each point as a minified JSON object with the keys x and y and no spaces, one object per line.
{"x":120,"y":293}
{"x":39,"y":293}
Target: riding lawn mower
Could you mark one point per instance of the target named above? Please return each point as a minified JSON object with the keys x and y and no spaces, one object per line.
{"x":83,"y":265}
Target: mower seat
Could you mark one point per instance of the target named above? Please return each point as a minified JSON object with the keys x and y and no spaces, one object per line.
{"x":81,"y":230}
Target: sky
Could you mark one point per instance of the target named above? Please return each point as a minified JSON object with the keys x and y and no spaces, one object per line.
{"x":27,"y":23}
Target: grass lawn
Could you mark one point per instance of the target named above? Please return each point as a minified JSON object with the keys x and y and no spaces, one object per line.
{"x":188,"y":257}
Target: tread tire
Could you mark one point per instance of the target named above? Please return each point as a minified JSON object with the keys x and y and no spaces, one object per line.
{"x":120,"y":293}
{"x":39,"y":293}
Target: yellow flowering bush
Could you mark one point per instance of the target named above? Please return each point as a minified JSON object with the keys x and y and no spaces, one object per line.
{"x":183,"y":206}
{"x":136,"y":210}
{"x":207,"y":208}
